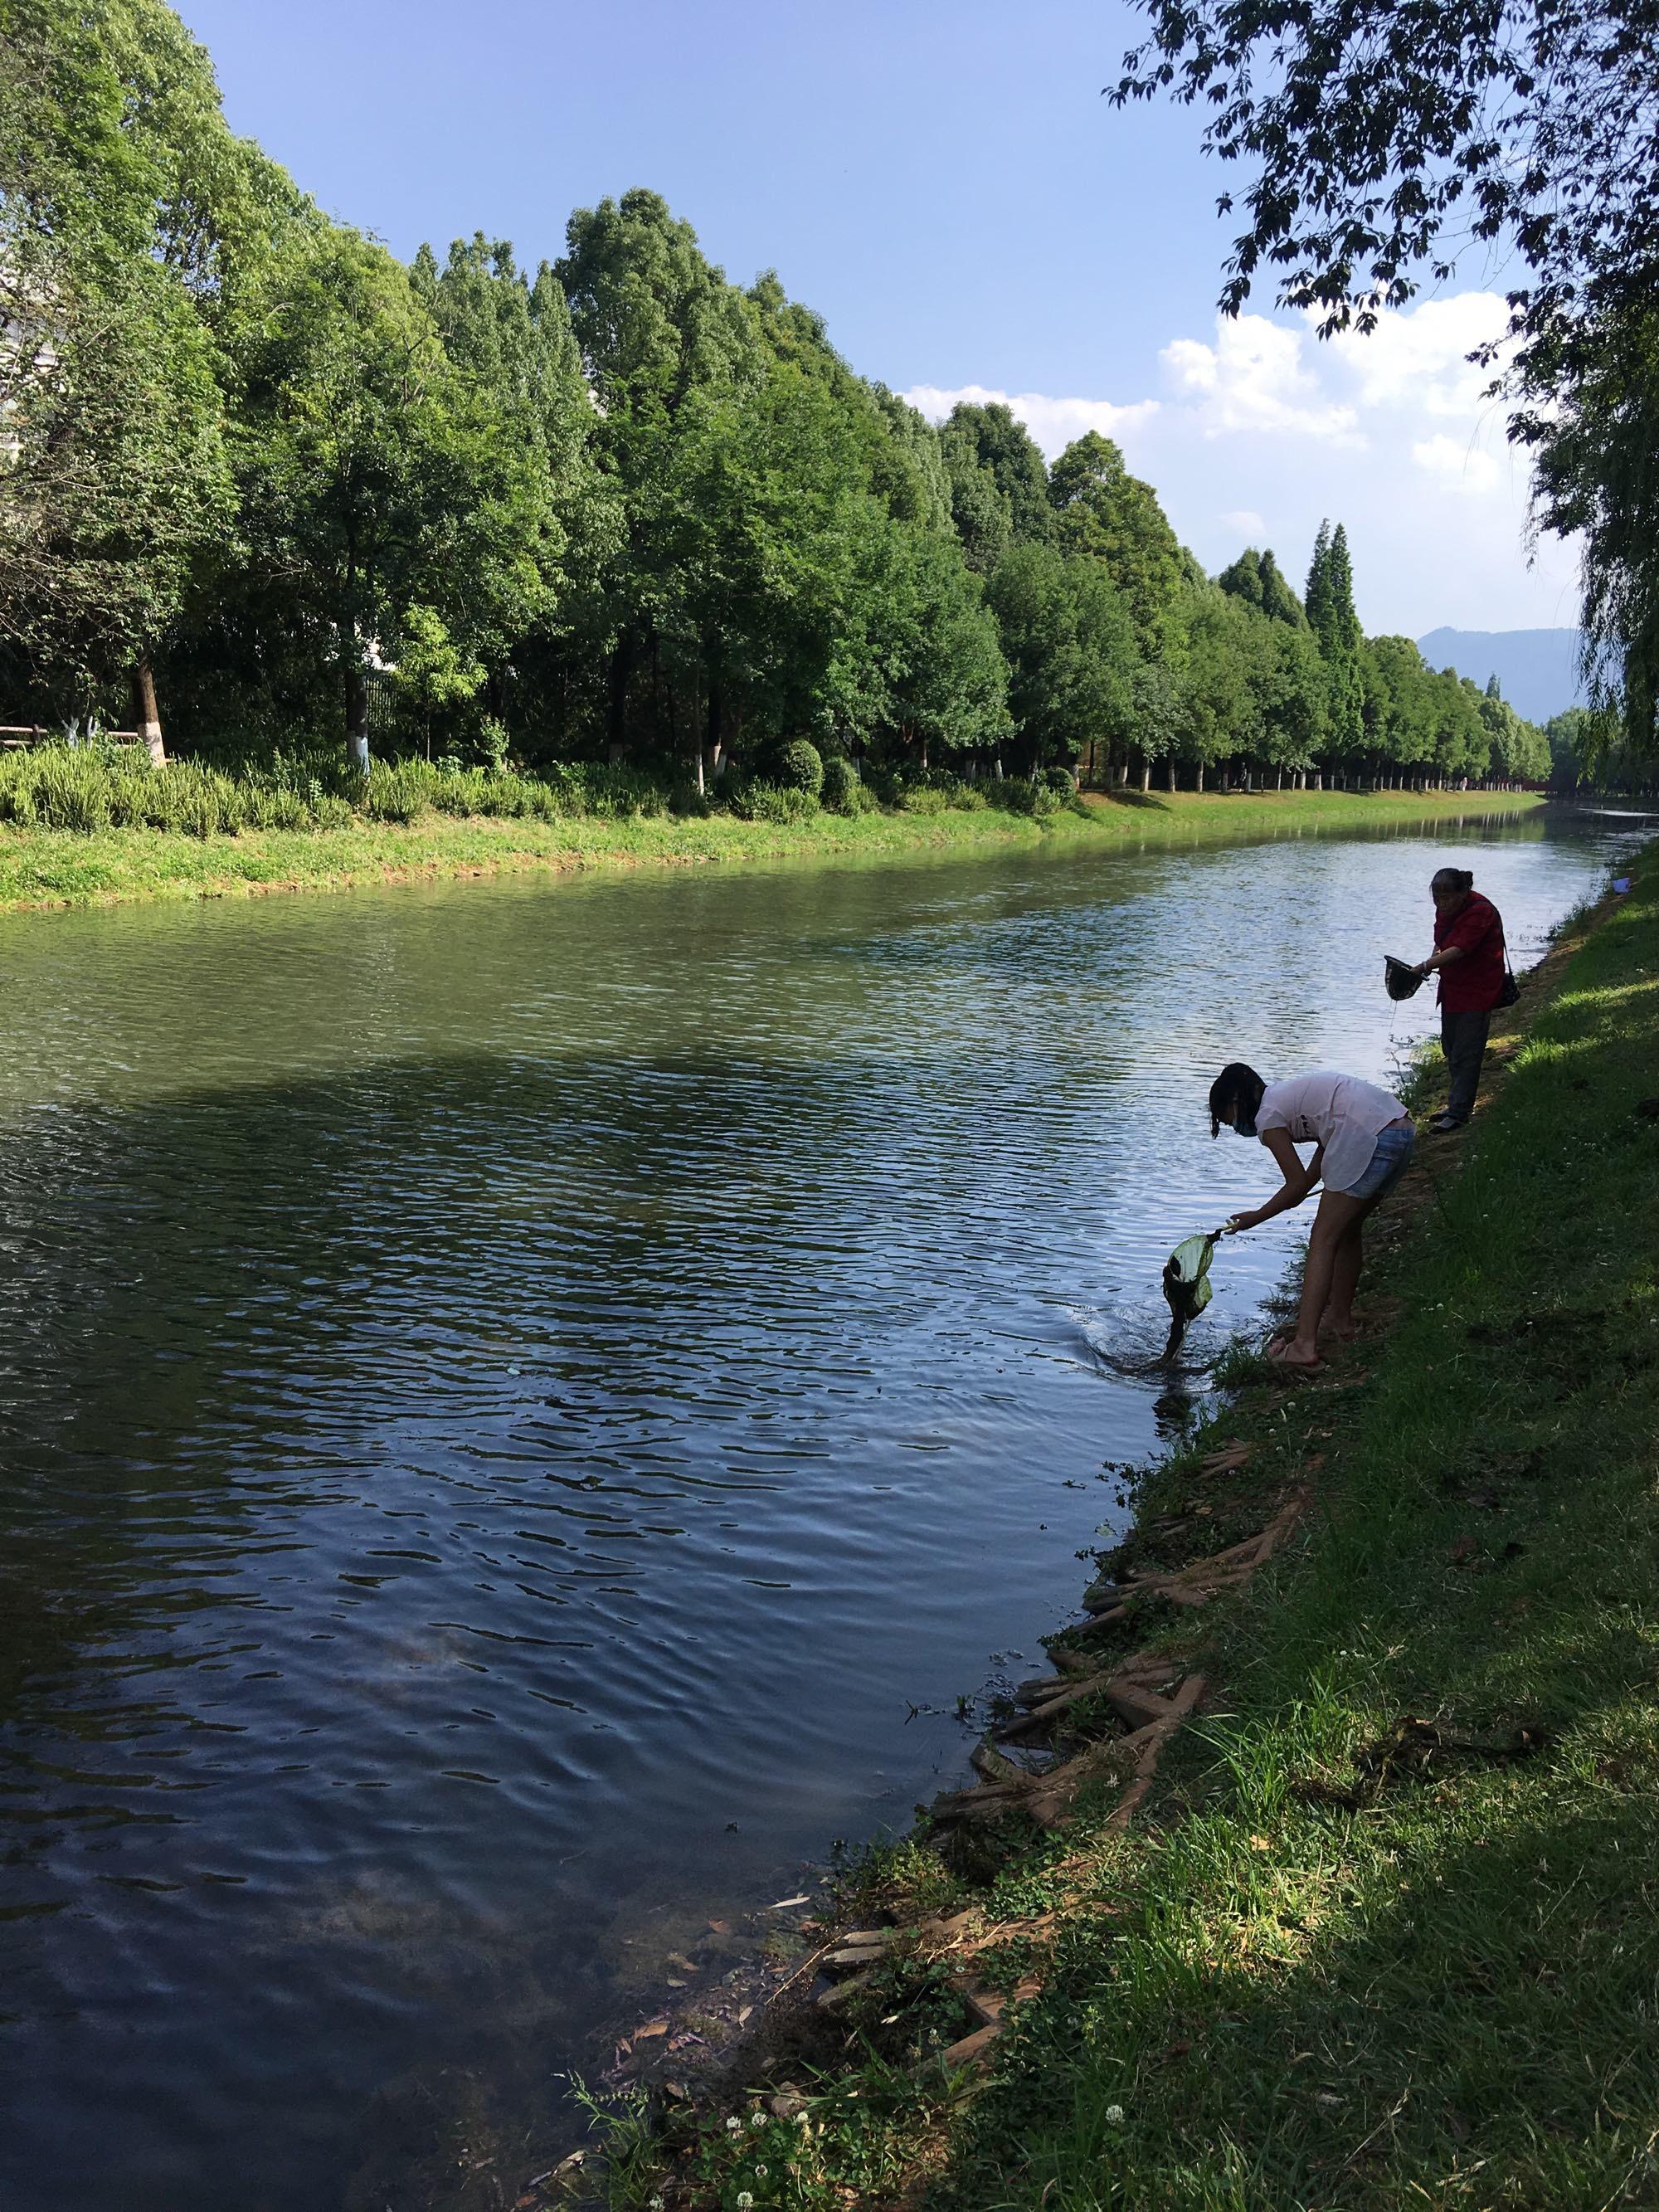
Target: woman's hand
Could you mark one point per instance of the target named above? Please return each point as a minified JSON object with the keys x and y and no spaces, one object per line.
{"x":1238,"y":1221}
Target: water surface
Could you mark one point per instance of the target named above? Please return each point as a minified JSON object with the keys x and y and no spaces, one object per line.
{"x":511,"y":1394}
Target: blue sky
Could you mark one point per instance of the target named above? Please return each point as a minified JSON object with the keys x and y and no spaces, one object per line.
{"x":946,"y":186}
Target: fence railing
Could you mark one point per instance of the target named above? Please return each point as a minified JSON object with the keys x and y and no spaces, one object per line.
{"x":14,"y":736}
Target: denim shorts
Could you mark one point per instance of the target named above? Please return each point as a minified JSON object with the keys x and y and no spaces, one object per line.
{"x":1393,"y":1156}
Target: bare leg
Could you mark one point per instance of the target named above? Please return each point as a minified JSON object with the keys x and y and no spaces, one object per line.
{"x":1337,"y":1214}
{"x":1337,"y":1319}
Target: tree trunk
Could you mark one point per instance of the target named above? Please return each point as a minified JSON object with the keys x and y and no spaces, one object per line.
{"x":356,"y":716}
{"x":712,"y":737}
{"x":622,"y":668}
{"x":1172,"y":772}
{"x":149,"y":714}
{"x":1198,"y":777}
{"x":1146,"y":771}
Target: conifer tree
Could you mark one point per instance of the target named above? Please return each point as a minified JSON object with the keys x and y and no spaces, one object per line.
{"x":1243,"y":578}
{"x":1279,"y":601}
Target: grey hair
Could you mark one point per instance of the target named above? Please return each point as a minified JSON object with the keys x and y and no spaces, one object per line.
{"x":1451,"y":879}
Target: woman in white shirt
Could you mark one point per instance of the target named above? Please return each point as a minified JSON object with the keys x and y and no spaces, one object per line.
{"x":1364,"y":1140}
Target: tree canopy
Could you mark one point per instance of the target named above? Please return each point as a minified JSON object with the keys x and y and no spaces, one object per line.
{"x":620,"y":509}
{"x":1383,"y":141}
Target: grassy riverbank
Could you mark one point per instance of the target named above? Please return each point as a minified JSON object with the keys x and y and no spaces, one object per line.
{"x":1384,"y":1932}
{"x":49,"y":867}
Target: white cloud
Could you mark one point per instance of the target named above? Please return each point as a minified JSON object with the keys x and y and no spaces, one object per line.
{"x":1265,"y":431}
{"x":1418,"y":358}
{"x":1459,"y":463}
{"x":1253,"y":379}
{"x":1053,"y":422}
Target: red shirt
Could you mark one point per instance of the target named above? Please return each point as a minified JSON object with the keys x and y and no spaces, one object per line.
{"x":1471,"y":985}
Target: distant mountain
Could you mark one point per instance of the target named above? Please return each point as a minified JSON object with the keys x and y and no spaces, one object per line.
{"x":1537,"y":670}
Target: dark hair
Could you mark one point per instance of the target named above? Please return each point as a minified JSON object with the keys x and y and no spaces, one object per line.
{"x":1451,"y":879}
{"x":1237,"y":1085}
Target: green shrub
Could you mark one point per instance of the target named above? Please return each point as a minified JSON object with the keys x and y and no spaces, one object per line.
{"x":130,"y":796}
{"x":800,"y":767}
{"x":925,"y":798}
{"x":769,"y":802}
{"x":955,"y":789}
{"x":841,"y":790}
{"x":70,"y":791}
{"x":396,"y":793}
{"x":604,"y":788}
{"x":1061,"y":780}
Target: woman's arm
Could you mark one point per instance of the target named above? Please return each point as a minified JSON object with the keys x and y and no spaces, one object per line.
{"x":1298,"y":1180}
{"x":1468,"y":933}
{"x":1444,"y":958}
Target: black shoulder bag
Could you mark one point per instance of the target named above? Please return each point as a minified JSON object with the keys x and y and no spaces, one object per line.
{"x":1510,"y":990}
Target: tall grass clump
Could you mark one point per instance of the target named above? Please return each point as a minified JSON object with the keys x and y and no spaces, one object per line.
{"x":90,"y":788}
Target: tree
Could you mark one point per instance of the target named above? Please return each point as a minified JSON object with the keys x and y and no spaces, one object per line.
{"x":1104,"y":512}
{"x":1243,"y":578}
{"x":1256,"y":579}
{"x":660,"y":329}
{"x":375,"y":475}
{"x":1594,"y":428}
{"x":1382,"y":136}
{"x":1222,"y":709}
{"x":1292,"y":696}
{"x":988,"y":439}
{"x":1279,"y":602}
{"x":1070,"y":647}
{"x":117,"y":479}
{"x":917,"y":665}
{"x":1384,"y":139}
{"x":1335,"y":626}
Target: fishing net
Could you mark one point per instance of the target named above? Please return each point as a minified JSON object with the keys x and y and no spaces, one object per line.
{"x":1187,"y":1287}
{"x":1401,"y":978}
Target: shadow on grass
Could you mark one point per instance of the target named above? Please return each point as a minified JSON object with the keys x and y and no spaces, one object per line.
{"x":1138,"y":801}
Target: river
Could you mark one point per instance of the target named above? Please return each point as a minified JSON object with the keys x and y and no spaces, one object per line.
{"x":523,"y":1406}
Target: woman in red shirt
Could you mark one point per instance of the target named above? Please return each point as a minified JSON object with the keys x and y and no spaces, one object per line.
{"x":1468,"y":956}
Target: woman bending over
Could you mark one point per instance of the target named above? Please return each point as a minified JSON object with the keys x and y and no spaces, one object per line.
{"x":1363,"y":1139}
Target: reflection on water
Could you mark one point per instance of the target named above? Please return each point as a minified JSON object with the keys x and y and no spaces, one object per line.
{"x":511,"y":1394}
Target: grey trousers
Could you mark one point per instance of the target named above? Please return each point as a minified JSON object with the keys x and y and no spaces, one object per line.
{"x":1463,"y":1041}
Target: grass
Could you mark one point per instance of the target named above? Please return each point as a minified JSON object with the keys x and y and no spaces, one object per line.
{"x":43,"y":865}
{"x":1388,"y":1936}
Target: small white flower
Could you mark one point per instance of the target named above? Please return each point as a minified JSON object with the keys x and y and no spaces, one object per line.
{"x":745,"y":2202}
{"x":656,"y":2204}
{"x":734,"y":2125}
{"x":757,"y":2119}
{"x":1114,"y":2116}
{"x":760,"y":2170}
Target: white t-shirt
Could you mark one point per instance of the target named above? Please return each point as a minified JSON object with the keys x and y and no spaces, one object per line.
{"x":1338,"y":1111}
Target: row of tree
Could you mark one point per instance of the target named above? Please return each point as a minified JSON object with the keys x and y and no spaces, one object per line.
{"x":279,"y":481}
{"x":1380,"y":141}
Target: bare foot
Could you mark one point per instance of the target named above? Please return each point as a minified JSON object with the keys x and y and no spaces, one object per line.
{"x":1340,"y":1332}
{"x":1285,"y":1351}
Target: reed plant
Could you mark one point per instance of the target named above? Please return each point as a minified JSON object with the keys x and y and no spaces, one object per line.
{"x":99,"y":786}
